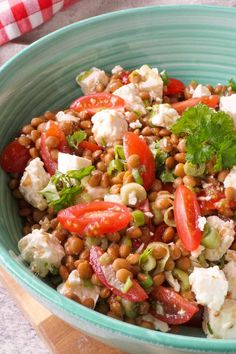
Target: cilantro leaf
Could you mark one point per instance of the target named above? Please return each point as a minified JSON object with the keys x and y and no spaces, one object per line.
{"x":75,"y":139}
{"x":209,"y":134}
{"x":167,"y":176}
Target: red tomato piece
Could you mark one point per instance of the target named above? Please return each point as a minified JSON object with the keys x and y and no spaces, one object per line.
{"x":174,"y":87}
{"x":52,"y":129}
{"x":186,"y":213}
{"x":107,"y":277}
{"x":14,"y":157}
{"x":133,"y":144}
{"x":174,"y":309}
{"x":212,"y":200}
{"x":90,"y":146}
{"x":95,"y":219}
{"x":94,"y":103}
{"x":211,"y":101}
{"x":124,"y":76}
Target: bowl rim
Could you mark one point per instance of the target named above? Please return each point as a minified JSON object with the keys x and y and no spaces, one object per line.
{"x":45,"y":292}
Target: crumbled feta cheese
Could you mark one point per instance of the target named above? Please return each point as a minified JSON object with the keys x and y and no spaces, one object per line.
{"x":34,"y":179}
{"x":130,"y":94}
{"x":230,"y":180}
{"x":201,"y":91}
{"x":108,"y":126}
{"x":222,"y":324}
{"x":67,"y":162}
{"x":196,"y":253}
{"x":226,"y":231}
{"x":158,"y":325}
{"x":230,"y":273}
{"x":164,"y":115}
{"x":172,"y":281}
{"x":42,"y":251}
{"x":115,"y":198}
{"x":151,"y":81}
{"x":65,"y":117}
{"x":79,"y":287}
{"x":209,"y":286}
{"x":117,"y":69}
{"x":228,"y":105}
{"x":136,"y":124}
{"x":88,"y":80}
{"x":201,"y":222}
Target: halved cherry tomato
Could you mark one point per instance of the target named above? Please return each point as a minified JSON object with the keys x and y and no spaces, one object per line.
{"x":124,"y":76}
{"x":52,"y":129}
{"x":95,"y":219}
{"x":186,"y":213}
{"x":90,"y":146}
{"x":14,"y":157}
{"x":96,"y":102}
{"x":171,"y":307}
{"x":133,"y":144}
{"x":107,"y":276}
{"x":212,"y":199}
{"x":211,"y":101}
{"x":174,"y":86}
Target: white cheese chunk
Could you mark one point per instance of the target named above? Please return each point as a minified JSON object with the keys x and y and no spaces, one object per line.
{"x":42,"y":251}
{"x":201,"y":91}
{"x":230,"y":180}
{"x":67,"y":162}
{"x":222,"y":324}
{"x":209,"y":286}
{"x":34,"y":179}
{"x":228,"y":105}
{"x":201,"y":222}
{"x":226,"y":231}
{"x":88,"y":80}
{"x":151,"y":81}
{"x":136,"y":124}
{"x":230,"y":273}
{"x":115,"y":198}
{"x":130,"y":94}
{"x":109,"y":126}
{"x":163,"y":115}
{"x":158,"y":325}
{"x":117,"y":69}
{"x":65,"y":117}
{"x":77,"y":286}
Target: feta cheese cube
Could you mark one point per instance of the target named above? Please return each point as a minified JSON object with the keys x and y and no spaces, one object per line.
{"x":222,"y":324}
{"x":228,"y":105}
{"x":34,"y":179}
{"x":77,"y":286}
{"x":65,"y":117}
{"x":67,"y":162}
{"x":130,"y":94}
{"x":201,"y":91}
{"x":109,"y":126}
{"x":230,"y":180}
{"x":151,"y":82}
{"x":163,"y":115}
{"x":230,"y":273}
{"x":88,"y":80}
{"x":42,"y":251}
{"x":226,"y":231}
{"x":209,"y":286}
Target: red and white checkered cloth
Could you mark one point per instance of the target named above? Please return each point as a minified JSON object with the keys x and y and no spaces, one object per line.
{"x":21,"y":16}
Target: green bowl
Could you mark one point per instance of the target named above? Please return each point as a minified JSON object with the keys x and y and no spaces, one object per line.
{"x":191,"y":42}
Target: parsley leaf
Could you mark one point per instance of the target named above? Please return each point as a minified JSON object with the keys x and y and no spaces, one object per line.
{"x":75,"y":139}
{"x":231,"y":83}
{"x":209,"y":134}
{"x":167,"y":176}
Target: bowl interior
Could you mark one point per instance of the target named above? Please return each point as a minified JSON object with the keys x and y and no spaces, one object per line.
{"x":190,"y":42}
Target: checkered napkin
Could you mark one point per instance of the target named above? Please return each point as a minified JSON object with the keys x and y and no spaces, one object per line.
{"x":21,"y":16}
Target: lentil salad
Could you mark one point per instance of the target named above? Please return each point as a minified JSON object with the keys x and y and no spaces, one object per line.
{"x":128,"y":199}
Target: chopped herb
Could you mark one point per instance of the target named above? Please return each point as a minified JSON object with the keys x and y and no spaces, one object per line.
{"x":115,"y":165}
{"x":160,"y":156}
{"x":75,"y":139}
{"x":231,"y":83}
{"x":165,"y":77}
{"x":210,"y":134}
{"x":138,"y":113}
{"x":167,"y":176}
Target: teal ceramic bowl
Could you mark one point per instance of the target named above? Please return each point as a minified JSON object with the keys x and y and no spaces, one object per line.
{"x":191,"y":42}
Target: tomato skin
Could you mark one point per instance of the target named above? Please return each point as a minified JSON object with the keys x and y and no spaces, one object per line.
{"x":174,"y":87}
{"x":95,"y":219}
{"x":135,"y":293}
{"x":211,"y":101}
{"x":214,"y":203}
{"x":133,"y":144}
{"x":14,"y":157}
{"x":90,"y":146}
{"x":172,"y":303}
{"x":94,"y":103}
{"x":186,"y":213}
{"x":52,"y":129}
{"x":124,"y":76}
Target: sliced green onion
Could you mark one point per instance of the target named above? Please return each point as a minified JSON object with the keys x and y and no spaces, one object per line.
{"x":209,"y":328}
{"x":105,"y":259}
{"x":130,"y":308}
{"x":150,"y":263}
{"x":128,"y":284}
{"x":83,"y":76}
{"x":210,"y":237}
{"x":115,"y":165}
{"x":193,"y":170}
{"x":165,"y":77}
{"x":161,"y":263}
{"x":146,"y":281}
{"x":127,"y":241}
{"x":144,"y":256}
{"x":137,"y":177}
{"x":169,"y":221}
{"x":119,"y":152}
{"x":183,"y":279}
{"x":138,"y":218}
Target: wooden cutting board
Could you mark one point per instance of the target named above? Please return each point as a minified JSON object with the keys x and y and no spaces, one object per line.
{"x":58,"y":335}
